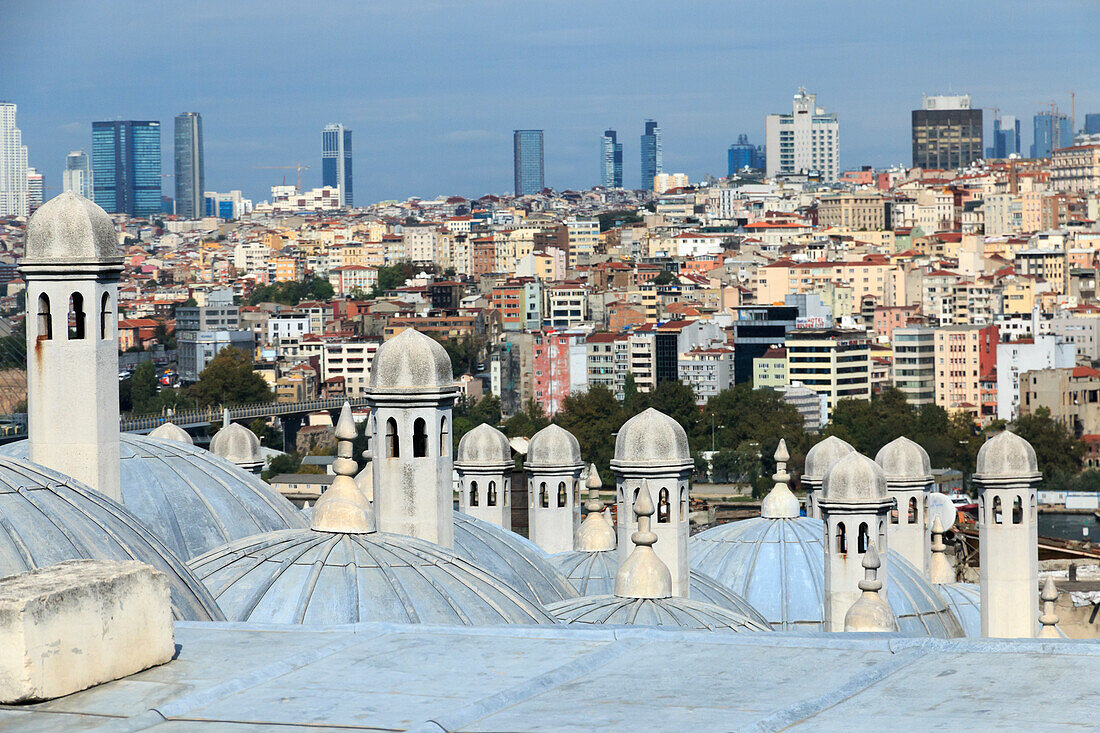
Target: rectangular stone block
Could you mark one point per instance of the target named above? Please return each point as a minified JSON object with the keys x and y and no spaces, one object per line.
{"x":80,"y":623}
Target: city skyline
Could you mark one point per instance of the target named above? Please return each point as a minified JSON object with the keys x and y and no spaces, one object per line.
{"x":432,"y":131}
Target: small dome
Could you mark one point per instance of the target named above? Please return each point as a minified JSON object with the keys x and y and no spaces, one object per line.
{"x":553,"y":447}
{"x":673,"y":611}
{"x":822,"y":456}
{"x":514,"y":559}
{"x":302,"y":576}
{"x":855,"y":477}
{"x":46,"y":518}
{"x":171,"y":431}
{"x":1006,"y":455}
{"x":411,"y":360}
{"x":191,"y":499}
{"x":651,"y":438}
{"x":237,"y":444}
{"x":902,"y":459}
{"x":483,"y":446}
{"x":70,"y":228}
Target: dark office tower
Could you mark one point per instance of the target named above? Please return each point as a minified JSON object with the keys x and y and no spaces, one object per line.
{"x":651,"y":154}
{"x":1006,"y":136}
{"x":1092,"y":124}
{"x":126,"y":166}
{"x":947,"y":133}
{"x":743,"y":154}
{"x":190,"y":170}
{"x":611,"y":160}
{"x":1052,"y":130}
{"x":336,"y":161}
{"x":527,"y":161}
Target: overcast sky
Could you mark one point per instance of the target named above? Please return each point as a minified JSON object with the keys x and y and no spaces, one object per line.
{"x":433,"y":90}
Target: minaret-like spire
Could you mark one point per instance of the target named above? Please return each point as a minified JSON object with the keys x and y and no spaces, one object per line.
{"x":870,"y":612}
{"x":595,"y":533}
{"x":939,"y":568}
{"x":343,"y":507}
{"x":642,"y":574}
{"x":780,"y":503}
{"x":1049,"y":620}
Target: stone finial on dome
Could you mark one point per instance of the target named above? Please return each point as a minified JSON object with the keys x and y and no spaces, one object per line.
{"x":170,"y":431}
{"x":780,"y":503}
{"x":821,"y":457}
{"x":904,"y":462}
{"x":1049,"y":620}
{"x":71,"y":229}
{"x":855,"y":478}
{"x":237,"y":444}
{"x":642,"y":574}
{"x":1006,"y":457}
{"x":939,"y":569}
{"x":870,"y":612}
{"x":595,"y":533}
{"x":411,"y":361}
{"x":343,"y":507}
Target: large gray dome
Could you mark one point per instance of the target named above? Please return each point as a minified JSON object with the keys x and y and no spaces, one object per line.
{"x":514,"y":559}
{"x":683,"y":613}
{"x":70,"y":228}
{"x":651,"y":438}
{"x":551,"y":447}
{"x":46,"y":518}
{"x":302,"y":576}
{"x":190,"y":498}
{"x":411,"y":360}
{"x":778,"y":565}
{"x":483,"y":446}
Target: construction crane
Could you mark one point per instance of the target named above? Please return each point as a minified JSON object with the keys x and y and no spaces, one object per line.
{"x":299,"y":167}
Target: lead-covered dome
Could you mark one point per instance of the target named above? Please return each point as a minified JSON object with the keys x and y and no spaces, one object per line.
{"x":171,"y":431}
{"x":46,"y":518}
{"x":70,"y":228}
{"x":190,"y":498}
{"x":965,"y":601}
{"x":682,"y":613}
{"x":237,"y":444}
{"x":904,"y":460}
{"x":821,"y":457}
{"x":303,"y":576}
{"x":651,"y":438}
{"x":551,"y":447}
{"x":484,"y":446}
{"x":411,"y":360}
{"x":854,"y":477}
{"x":1006,"y":455}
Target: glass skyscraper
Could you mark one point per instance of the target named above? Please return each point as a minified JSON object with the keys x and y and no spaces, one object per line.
{"x":336,"y":160}
{"x":527,"y":161}
{"x":126,"y":166}
{"x":611,"y":160}
{"x":651,"y":154}
{"x":190,"y":169}
{"x":78,"y":174}
{"x":1092,"y":124}
{"x":743,"y":154}
{"x":1051,"y":131}
{"x":1006,"y":136}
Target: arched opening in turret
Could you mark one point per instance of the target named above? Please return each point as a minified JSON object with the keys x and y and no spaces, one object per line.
{"x":393,"y":441}
{"x":997,"y":518}
{"x":1018,"y":510}
{"x":1034,"y":510}
{"x":45,"y":320}
{"x":894,"y":511}
{"x":841,"y":538}
{"x":76,"y":317}
{"x":576,"y":492}
{"x":912,"y":518}
{"x":420,"y":438}
{"x":664,"y":511}
{"x":862,"y":538}
{"x":506,"y":487}
{"x":683,"y":504}
{"x":544,"y":497}
{"x":104,"y":316}
{"x":444,"y":437}
{"x":563,"y":494}
{"x":473,"y":493}
{"x":491,"y":495}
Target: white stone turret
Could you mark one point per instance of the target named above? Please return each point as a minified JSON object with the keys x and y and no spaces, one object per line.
{"x":412,"y":393}
{"x":1006,"y":475}
{"x":71,"y":267}
{"x":870,"y":612}
{"x":484,"y":464}
{"x":653,"y":447}
{"x":554,"y":468}
{"x":819,"y":459}
{"x":855,"y":507}
{"x":908,"y":480}
{"x":595,"y":533}
{"x":642,"y":574}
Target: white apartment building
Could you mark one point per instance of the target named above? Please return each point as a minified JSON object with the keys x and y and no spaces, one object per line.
{"x":667,"y":181}
{"x":1045,"y":351}
{"x":288,"y":199}
{"x":420,"y":244}
{"x":251,"y":257}
{"x":707,"y":371}
{"x":287,"y":328}
{"x":808,"y":139}
{"x":566,"y":304}
{"x":13,"y":164}
{"x":584,"y":236}
{"x":350,"y":360}
{"x":349,"y":277}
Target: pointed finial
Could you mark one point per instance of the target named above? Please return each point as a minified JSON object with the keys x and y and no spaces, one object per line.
{"x":780,"y":503}
{"x":939,"y":567}
{"x":870,"y":612}
{"x":643,"y":574}
{"x":594,"y":485}
{"x":1048,"y":620}
{"x":595,"y":533}
{"x":343,"y":507}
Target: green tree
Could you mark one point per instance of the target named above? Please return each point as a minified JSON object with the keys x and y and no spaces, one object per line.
{"x":677,"y":400}
{"x":465,"y":352}
{"x":229,"y":380}
{"x":593,"y":417}
{"x":633,"y":402}
{"x":528,"y":421}
{"x":394,"y":276}
{"x":741,"y":414}
{"x":269,"y":436}
{"x":611,"y":219}
{"x":1057,"y":450}
{"x":664,"y":277}
{"x":143,"y":388}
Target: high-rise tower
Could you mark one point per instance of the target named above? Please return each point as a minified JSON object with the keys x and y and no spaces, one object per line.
{"x":527,"y":162}
{"x":336,"y":160}
{"x":13,"y":164}
{"x":946,"y":132}
{"x":126,"y":166}
{"x":611,"y":160}
{"x":651,"y":154}
{"x":806,"y":140}
{"x":78,"y":174}
{"x":190,"y":170}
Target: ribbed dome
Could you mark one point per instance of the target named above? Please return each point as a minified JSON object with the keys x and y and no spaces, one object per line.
{"x":593,"y":574}
{"x":821,"y":457}
{"x":301,"y":576}
{"x":514,"y":559}
{"x":965,"y":601}
{"x":651,"y":438}
{"x":483,"y":446}
{"x":679,"y":612}
{"x":70,"y":228}
{"x":46,"y":518}
{"x":411,"y":360}
{"x":902,"y":459}
{"x":171,"y":431}
{"x":1006,"y":455}
{"x":190,"y":498}
{"x":551,"y":447}
{"x":237,"y":444}
{"x":778,"y":565}
{"x":855,"y":477}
